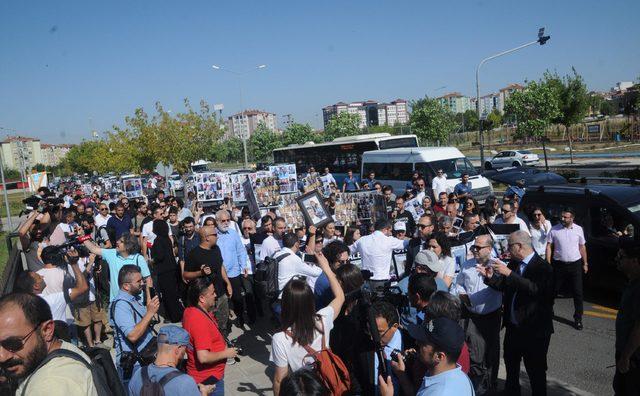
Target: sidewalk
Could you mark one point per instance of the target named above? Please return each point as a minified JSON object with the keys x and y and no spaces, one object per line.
{"x":252,"y":375}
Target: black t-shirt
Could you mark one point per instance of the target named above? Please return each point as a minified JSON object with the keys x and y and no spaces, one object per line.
{"x":198,"y":257}
{"x":407,"y":218}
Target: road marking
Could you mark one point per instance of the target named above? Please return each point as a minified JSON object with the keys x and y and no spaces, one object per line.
{"x":605,"y":309}
{"x":600,"y":315}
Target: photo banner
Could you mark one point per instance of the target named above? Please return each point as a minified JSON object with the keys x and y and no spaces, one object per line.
{"x":132,"y":187}
{"x":211,"y":186}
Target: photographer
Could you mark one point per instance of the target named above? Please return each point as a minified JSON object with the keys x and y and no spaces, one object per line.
{"x":66,"y":229}
{"x":206,"y":361}
{"x":132,"y":323}
{"x":125,"y":253}
{"x":54,"y":291}
{"x":90,"y":315}
{"x":31,"y":235}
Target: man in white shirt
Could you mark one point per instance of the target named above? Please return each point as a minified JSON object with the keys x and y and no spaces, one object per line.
{"x":103,"y":215}
{"x":292,"y":264}
{"x":482,"y":302}
{"x":273,"y":243}
{"x":510,"y":216}
{"x":328,"y":178}
{"x":439,"y":183}
{"x":376,"y":250}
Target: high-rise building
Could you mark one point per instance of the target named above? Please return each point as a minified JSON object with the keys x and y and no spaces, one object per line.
{"x":371,"y":112}
{"x":245,"y":123}
{"x":52,"y":154}
{"x":505,"y":93}
{"x":21,"y":152}
{"x":456,"y":102}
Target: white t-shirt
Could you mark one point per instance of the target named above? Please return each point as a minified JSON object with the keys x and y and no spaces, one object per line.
{"x":284,"y":352}
{"x":439,"y":184}
{"x":269,"y":246}
{"x":53,"y":293}
{"x":518,"y":221}
{"x":539,"y":238}
{"x":147,"y":232}
{"x":293,"y":265}
{"x":101,"y":220}
{"x":82,"y":263}
{"x":449,"y":267}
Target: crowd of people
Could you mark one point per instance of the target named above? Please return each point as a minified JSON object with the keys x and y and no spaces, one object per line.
{"x":166,"y":280}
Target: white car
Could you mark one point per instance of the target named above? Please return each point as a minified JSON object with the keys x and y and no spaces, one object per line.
{"x":512,"y":158}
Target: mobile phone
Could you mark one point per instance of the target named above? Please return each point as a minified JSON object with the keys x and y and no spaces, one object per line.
{"x":152,"y":292}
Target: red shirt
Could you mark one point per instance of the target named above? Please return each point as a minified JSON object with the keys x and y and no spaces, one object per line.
{"x":438,"y":208}
{"x":463,"y":359}
{"x":203,"y":335}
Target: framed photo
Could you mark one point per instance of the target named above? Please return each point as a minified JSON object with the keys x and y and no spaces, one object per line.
{"x":313,"y":209}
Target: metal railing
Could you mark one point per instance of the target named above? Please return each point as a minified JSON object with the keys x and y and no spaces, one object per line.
{"x":13,"y":266}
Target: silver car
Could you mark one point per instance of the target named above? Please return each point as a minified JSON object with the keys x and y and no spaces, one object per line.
{"x":512,"y":158}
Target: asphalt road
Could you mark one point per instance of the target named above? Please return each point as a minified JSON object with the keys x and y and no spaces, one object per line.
{"x":580,"y":358}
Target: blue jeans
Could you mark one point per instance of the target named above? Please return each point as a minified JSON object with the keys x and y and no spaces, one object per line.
{"x":219,"y":388}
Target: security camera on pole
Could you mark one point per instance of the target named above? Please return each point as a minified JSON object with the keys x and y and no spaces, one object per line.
{"x":482,"y":115}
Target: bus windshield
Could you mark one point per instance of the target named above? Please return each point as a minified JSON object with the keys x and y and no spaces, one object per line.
{"x":454,"y":167}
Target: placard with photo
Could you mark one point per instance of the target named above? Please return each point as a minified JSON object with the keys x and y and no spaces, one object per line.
{"x":286,"y":177}
{"x":132,"y":187}
{"x":313,"y":209}
{"x":267,"y":189}
{"x":211,"y":186}
{"x":235,"y":184}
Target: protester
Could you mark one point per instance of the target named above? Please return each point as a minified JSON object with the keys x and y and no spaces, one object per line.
{"x":439,"y":184}
{"x":400,"y":215}
{"x":131,"y":321}
{"x":303,"y":327}
{"x":31,"y":237}
{"x":303,"y":383}
{"x":234,"y":259}
{"x":273,"y":243}
{"x":350,"y":182}
{"x":510,"y":216}
{"x":187,"y":241}
{"x":291,"y":265}
{"x":539,"y":230}
{"x":103,"y":215}
{"x":167,"y":272}
{"x":173,"y":343}
{"x":147,"y":237}
{"x":527,"y":284}
{"x":207,"y":358}
{"x":337,"y":254}
{"x":119,"y":224}
{"x":205,"y":260}
{"x":425,"y":228}
{"x":440,"y":245}
{"x":482,"y":302}
{"x":567,"y":254}
{"x":33,"y":357}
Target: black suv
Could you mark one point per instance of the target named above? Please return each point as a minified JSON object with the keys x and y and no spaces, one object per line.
{"x":606,"y":212}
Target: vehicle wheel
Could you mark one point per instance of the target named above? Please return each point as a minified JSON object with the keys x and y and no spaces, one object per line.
{"x":516,"y":164}
{"x":487,"y":165}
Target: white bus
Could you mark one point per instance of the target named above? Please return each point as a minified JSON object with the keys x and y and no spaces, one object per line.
{"x":339,"y":155}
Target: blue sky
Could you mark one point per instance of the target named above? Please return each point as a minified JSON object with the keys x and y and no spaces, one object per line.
{"x":69,"y":66}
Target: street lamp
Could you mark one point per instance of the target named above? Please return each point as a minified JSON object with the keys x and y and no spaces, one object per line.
{"x":542,"y":39}
{"x":244,"y":132}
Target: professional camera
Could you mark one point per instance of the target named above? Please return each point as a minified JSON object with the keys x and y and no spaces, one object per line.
{"x":34,"y":203}
{"x":235,"y":344}
{"x":75,"y":243}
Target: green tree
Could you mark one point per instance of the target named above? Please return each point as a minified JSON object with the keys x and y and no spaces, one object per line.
{"x":11,"y":174}
{"x":494,"y":120}
{"x":262,"y":142}
{"x":230,"y":150}
{"x":467,"y":121}
{"x":431,"y":121}
{"x":573,"y":100}
{"x":299,"y":134}
{"x":595,"y":103}
{"x":343,"y":124}
{"x":607,"y":108}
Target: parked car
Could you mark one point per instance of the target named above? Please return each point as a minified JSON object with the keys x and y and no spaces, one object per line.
{"x":531,"y":177}
{"x":512,"y":158}
{"x":606,"y":212}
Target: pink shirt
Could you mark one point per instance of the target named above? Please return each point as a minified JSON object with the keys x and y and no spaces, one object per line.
{"x":566,"y":242}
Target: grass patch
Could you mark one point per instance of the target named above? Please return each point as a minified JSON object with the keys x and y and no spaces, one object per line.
{"x":4,"y":253}
{"x":15,"y":204}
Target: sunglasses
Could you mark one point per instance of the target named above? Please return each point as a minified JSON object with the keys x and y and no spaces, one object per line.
{"x":247,"y":228}
{"x":213,"y":235}
{"x":476,"y":248}
{"x":15,"y":344}
{"x":103,"y":209}
{"x":421,"y":226}
{"x":224,"y":220}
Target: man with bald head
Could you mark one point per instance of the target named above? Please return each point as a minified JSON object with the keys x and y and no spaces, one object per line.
{"x":482,"y":303}
{"x":206,"y":260}
{"x":527,"y":286}
{"x":234,"y":259}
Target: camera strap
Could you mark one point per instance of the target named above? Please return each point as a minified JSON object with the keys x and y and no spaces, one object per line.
{"x":119,"y":331}
{"x":214,"y":323}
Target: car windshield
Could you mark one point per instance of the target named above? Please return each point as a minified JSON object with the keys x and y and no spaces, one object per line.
{"x":635,"y":208}
{"x":454,"y":167}
{"x":525,"y":152}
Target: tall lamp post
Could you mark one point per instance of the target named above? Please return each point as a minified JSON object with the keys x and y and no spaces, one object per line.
{"x":4,"y":190}
{"x":542,"y":39}
{"x":245,"y":132}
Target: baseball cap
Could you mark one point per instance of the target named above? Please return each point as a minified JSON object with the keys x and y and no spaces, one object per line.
{"x":400,"y":226}
{"x":174,"y":335}
{"x":429,"y":259}
{"x":442,"y":333}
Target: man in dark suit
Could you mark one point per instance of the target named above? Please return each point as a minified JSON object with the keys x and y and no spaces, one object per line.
{"x":527,"y":284}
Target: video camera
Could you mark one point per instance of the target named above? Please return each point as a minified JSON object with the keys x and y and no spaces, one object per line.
{"x":56,"y":253}
{"x":34,"y":203}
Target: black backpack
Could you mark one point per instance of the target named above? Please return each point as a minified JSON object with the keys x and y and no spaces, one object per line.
{"x":103,"y":371}
{"x":151,"y":388}
{"x":267,"y":275}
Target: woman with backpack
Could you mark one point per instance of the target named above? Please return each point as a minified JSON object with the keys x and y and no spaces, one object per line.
{"x":305,"y":335}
